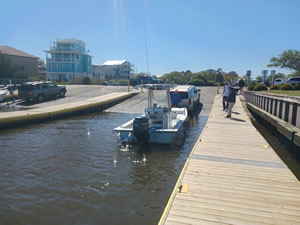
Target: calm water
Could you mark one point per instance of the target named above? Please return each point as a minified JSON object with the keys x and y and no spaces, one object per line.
{"x":73,"y":172}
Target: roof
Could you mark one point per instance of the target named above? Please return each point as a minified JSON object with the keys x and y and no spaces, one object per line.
{"x":4,"y":49}
{"x":182,"y":87}
{"x":70,"y":40}
{"x":114,"y":62}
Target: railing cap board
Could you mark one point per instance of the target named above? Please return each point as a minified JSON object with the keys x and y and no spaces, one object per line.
{"x":287,"y":98}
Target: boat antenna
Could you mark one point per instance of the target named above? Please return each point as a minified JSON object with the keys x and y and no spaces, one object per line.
{"x":168,"y":97}
{"x":146,"y":44}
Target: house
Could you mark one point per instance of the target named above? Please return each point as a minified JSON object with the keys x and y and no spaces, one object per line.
{"x":26,"y":63}
{"x":42,"y":69}
{"x":116,"y":70}
{"x":68,"y":60}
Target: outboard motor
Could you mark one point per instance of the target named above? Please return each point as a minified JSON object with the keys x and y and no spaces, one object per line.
{"x":141,"y":129}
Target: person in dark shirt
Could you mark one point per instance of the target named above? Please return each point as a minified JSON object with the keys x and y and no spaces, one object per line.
{"x":225,"y":96}
{"x":241,"y":85}
{"x":231,"y":101}
{"x":175,"y":98}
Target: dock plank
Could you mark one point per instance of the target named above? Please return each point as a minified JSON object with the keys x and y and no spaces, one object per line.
{"x":234,"y":177}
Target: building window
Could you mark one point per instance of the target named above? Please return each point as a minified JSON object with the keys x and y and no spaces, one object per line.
{"x":21,"y":68}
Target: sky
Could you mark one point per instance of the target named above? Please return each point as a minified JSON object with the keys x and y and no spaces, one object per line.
{"x":175,"y":35}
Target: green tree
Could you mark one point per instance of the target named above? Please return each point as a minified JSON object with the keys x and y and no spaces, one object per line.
{"x":188,"y":76}
{"x":288,"y":59}
{"x":296,"y":74}
{"x":7,"y":70}
{"x":232,"y":75}
{"x":219,"y":75}
{"x":259,"y":79}
{"x":196,"y":82}
{"x":200,"y":76}
{"x":174,"y":77}
{"x":245,"y":78}
{"x":279,"y":75}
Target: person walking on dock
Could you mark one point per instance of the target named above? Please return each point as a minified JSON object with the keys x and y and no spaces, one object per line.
{"x":241,"y":85}
{"x":225,"y":96}
{"x":175,"y":98}
{"x":231,"y":100}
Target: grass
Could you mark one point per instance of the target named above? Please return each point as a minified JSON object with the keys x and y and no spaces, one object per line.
{"x":284,"y":92}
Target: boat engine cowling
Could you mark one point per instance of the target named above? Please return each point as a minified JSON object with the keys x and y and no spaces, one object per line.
{"x":141,"y":128}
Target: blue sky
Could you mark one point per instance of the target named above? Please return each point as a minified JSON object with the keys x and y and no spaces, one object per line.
{"x":235,"y":35}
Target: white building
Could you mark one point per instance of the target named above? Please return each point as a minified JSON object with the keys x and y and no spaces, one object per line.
{"x":116,"y":70}
{"x":97,"y":72}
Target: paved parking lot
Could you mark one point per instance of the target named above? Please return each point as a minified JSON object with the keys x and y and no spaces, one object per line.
{"x":74,"y":93}
{"x":81,"y":92}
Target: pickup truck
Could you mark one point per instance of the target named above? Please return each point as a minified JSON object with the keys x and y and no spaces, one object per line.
{"x":39,"y":91}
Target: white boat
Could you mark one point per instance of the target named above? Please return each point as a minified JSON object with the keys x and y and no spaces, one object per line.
{"x":3,"y":93}
{"x":160,"y":124}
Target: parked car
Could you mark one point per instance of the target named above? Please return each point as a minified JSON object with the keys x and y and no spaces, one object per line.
{"x":145,"y":80}
{"x":278,"y":81}
{"x":105,"y":83}
{"x":38,"y":91}
{"x":293,"y":80}
{"x":189,"y":94}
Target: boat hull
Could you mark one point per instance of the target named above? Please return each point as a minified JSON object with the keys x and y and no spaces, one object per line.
{"x":158,"y":136}
{"x":166,"y":137}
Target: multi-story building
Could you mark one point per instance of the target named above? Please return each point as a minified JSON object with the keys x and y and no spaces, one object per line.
{"x":97,"y":71}
{"x":26,"y":64}
{"x":116,"y":69}
{"x":42,"y":69}
{"x":68,"y":59}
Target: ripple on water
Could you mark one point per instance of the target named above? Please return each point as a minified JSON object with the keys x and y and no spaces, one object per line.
{"x":73,"y":172}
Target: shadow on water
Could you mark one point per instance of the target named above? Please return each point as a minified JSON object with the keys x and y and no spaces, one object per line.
{"x":195,"y":113}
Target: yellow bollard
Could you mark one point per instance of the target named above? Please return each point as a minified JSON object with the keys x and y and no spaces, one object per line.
{"x":142,"y":86}
{"x":128,"y":85}
{"x":218,"y":89}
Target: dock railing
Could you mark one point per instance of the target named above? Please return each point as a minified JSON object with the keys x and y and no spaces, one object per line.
{"x":286,"y":108}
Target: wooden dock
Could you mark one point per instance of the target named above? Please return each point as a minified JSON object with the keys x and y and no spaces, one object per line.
{"x":233,"y":176}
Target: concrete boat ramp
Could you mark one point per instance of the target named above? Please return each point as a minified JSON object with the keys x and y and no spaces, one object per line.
{"x":95,"y":104}
{"x":233,"y":176}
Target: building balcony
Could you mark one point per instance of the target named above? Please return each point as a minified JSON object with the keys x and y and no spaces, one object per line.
{"x":62,"y":60}
{"x":69,"y":50}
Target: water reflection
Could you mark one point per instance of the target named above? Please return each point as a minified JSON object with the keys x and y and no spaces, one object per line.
{"x":74,"y":172}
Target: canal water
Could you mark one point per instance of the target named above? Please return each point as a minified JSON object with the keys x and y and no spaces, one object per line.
{"x":73,"y":171}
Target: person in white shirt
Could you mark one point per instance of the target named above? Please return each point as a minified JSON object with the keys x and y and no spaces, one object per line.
{"x":225,"y":96}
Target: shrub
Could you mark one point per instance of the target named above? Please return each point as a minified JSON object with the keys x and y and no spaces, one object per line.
{"x":287,"y":87}
{"x":196,"y":82}
{"x":260,"y":87}
{"x":63,"y":83}
{"x":210,"y":83}
{"x":122,"y":81}
{"x":274,"y":87}
{"x":251,"y":87}
{"x":86,"y":80}
{"x":297,"y":86}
